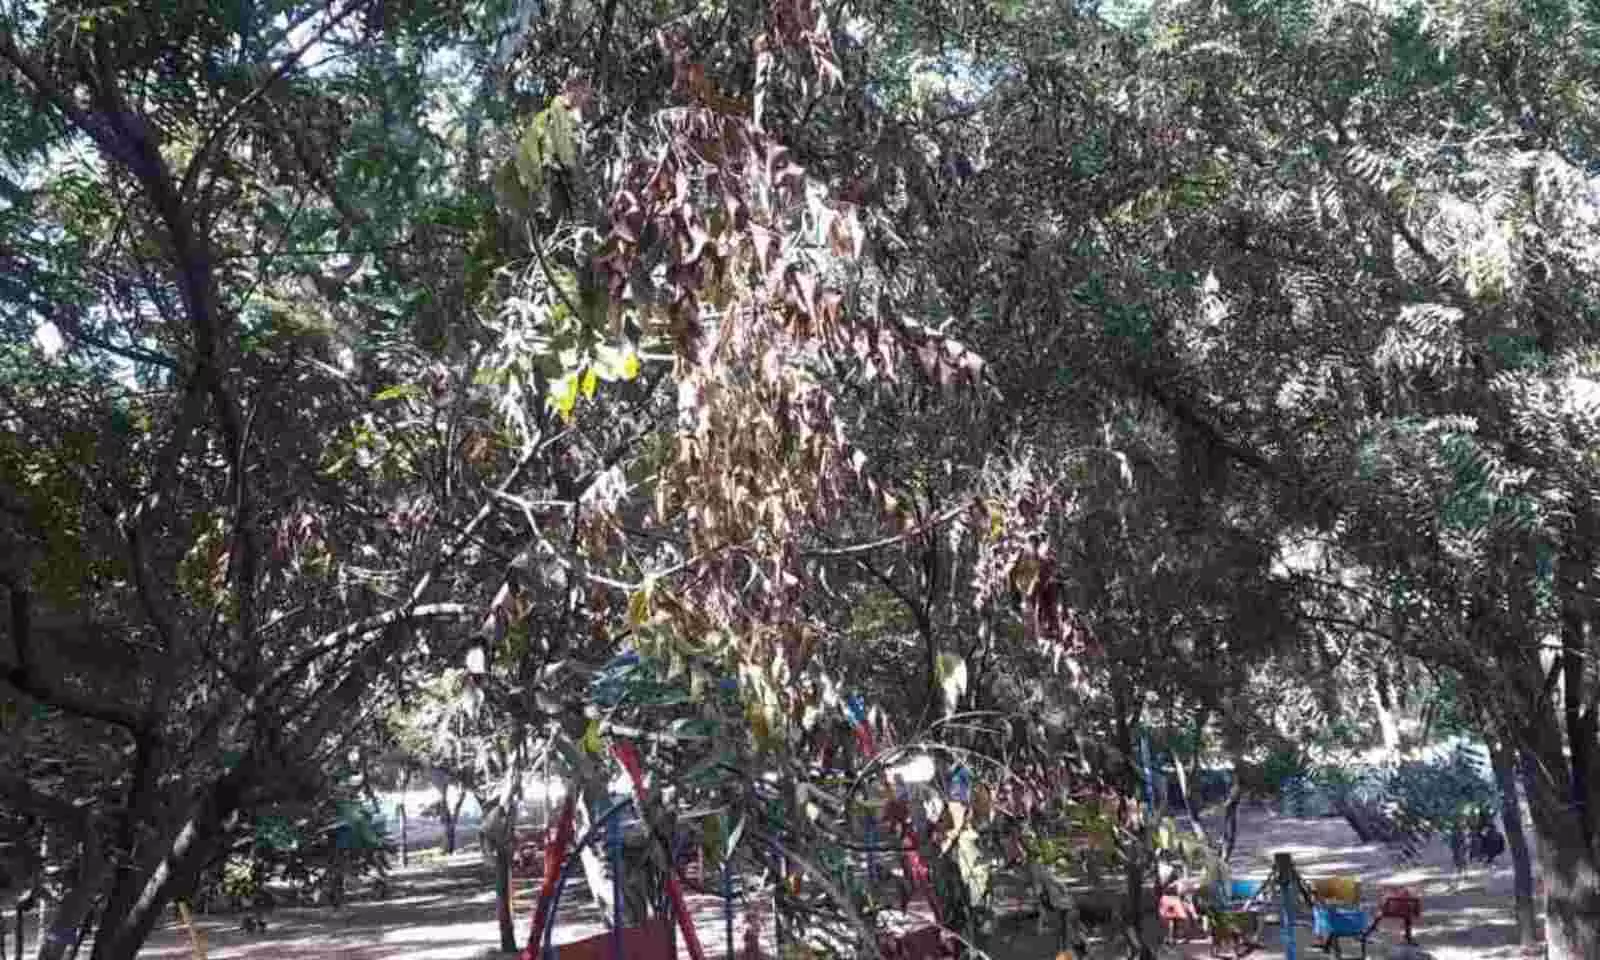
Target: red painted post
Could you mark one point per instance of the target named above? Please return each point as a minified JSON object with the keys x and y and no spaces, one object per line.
{"x":555,"y":854}
{"x":628,"y":756}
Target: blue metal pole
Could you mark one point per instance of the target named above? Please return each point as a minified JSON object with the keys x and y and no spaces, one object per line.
{"x":549,"y":950}
{"x":1283,"y":867}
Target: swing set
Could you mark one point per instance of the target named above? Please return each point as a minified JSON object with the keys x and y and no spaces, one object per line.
{"x":651,"y":940}
{"x":654,"y":938}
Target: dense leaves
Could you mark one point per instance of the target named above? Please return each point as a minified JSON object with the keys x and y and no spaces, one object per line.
{"x":475,"y":385}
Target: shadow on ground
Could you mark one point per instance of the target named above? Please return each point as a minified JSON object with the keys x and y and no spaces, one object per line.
{"x":444,"y":910}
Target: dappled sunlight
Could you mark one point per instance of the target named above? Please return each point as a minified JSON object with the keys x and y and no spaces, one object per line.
{"x":446,"y":912}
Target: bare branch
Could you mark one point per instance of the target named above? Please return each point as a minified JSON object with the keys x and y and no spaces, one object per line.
{"x":933,"y":522}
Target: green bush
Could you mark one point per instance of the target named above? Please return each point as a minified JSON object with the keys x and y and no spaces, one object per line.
{"x":1285,"y":763}
{"x":314,"y":850}
{"x":1443,"y":797}
{"x":1410,"y":804}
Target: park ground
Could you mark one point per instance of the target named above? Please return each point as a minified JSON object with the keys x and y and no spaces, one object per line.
{"x":442,"y":908}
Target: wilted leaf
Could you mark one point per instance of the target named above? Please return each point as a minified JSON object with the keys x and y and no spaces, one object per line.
{"x":639,"y":605}
{"x":1025,"y":575}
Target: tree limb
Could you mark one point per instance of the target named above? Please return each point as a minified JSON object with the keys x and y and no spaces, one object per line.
{"x":937,"y":520}
{"x":24,"y":675}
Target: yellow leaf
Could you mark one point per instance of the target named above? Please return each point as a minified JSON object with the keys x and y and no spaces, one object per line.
{"x":630,"y":364}
{"x":591,"y":738}
{"x":564,"y":395}
{"x":639,"y":606}
{"x":590,"y":381}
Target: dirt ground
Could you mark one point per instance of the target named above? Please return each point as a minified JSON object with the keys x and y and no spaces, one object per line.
{"x":443,"y":909}
{"x":1465,"y":917}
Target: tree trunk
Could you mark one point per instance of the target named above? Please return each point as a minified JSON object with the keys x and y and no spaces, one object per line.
{"x":450,"y":814}
{"x":1572,"y":893}
{"x":1503,"y":756}
{"x":1133,"y":922}
{"x":1388,"y":727}
{"x":405,"y":850}
{"x":176,"y":874}
{"x":1185,"y":778}
{"x":502,"y":899}
{"x":131,"y":848}
{"x":1230,"y":812}
{"x":65,"y":926}
{"x":1567,"y":864}
{"x":499,"y":831}
{"x":41,"y":900}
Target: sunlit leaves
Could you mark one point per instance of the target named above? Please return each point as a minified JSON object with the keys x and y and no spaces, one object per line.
{"x":950,"y":672}
{"x":550,"y":141}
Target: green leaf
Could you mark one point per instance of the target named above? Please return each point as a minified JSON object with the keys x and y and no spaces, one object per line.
{"x":561,"y":133}
{"x":530,"y":156}
{"x":400,"y":391}
{"x":591,"y":742}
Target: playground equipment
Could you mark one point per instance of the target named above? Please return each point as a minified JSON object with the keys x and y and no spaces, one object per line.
{"x":1333,"y":923}
{"x":1336,"y":911}
{"x":652,"y":940}
{"x":1338,"y":914}
{"x":1233,"y":921}
{"x":1178,"y":914}
{"x":1228,"y":926}
{"x":1398,"y":903}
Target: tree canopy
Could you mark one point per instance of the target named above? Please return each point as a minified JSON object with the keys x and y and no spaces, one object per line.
{"x":1073,"y":365}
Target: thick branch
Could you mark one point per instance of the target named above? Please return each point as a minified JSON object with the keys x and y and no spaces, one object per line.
{"x":25,"y":675}
{"x":19,"y":794}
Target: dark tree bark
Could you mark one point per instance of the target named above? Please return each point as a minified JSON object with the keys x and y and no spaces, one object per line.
{"x":499,"y":832}
{"x":1133,"y":875}
{"x":1190,"y":776}
{"x":450,"y":814}
{"x":405,"y":849}
{"x":1572,"y":886}
{"x":1567,"y":862}
{"x":1503,"y":756}
{"x":1230,"y":810}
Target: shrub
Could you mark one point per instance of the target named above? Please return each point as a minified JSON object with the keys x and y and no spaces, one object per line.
{"x":1412,"y":803}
